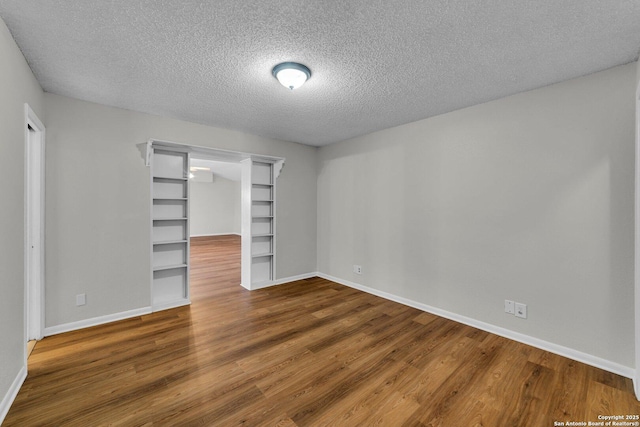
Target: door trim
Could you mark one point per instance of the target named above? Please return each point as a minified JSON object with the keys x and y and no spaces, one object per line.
{"x":34,"y":134}
{"x":636,"y":378}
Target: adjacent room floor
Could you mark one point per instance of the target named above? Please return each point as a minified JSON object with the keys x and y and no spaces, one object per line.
{"x":303,"y":354}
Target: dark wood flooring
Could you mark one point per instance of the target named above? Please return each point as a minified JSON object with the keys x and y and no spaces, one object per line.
{"x":309,"y":353}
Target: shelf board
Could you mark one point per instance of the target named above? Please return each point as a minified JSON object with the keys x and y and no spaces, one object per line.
{"x":264,"y":200}
{"x":262,"y":255}
{"x":262,"y":216}
{"x":169,"y":267}
{"x":170,"y":178}
{"x":262,"y":235}
{"x":169,"y":242}
{"x":170,"y":219}
{"x":169,"y":198}
{"x":261,"y":185}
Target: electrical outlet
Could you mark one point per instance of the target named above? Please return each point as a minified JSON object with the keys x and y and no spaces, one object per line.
{"x":357,"y":269}
{"x":81,"y":299}
{"x":509,"y":307}
{"x":521,"y":310}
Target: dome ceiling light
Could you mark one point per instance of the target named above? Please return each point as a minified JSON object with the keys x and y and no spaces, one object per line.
{"x":291,"y":74}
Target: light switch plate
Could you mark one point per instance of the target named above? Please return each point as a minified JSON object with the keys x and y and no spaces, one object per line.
{"x":509,"y":307}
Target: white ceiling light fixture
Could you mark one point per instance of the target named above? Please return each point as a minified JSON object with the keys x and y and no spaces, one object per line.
{"x":291,"y":75}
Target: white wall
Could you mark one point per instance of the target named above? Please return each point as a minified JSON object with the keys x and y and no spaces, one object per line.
{"x":528,"y":198}
{"x":98,"y":204}
{"x":215,"y":207}
{"x":17,"y":86}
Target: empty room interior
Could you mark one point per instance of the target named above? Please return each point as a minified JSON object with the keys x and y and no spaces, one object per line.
{"x":319,"y":213}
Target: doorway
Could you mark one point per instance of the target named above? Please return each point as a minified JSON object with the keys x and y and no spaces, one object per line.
{"x":171,"y":218}
{"x":215,"y":225}
{"x":215,"y":196}
{"x":34,"y":253}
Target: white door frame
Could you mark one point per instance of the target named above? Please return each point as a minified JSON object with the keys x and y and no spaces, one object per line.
{"x":636,"y":379}
{"x":34,"y":223}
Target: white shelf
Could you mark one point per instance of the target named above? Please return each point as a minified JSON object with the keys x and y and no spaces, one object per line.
{"x":168,"y":178}
{"x":169,"y":242}
{"x":261,"y":269}
{"x":259,"y":220}
{"x":262,"y":173}
{"x":261,"y":255}
{"x":262,"y":225}
{"x":262,"y":192}
{"x":169,"y":267}
{"x":169,"y":229}
{"x":169,"y":189}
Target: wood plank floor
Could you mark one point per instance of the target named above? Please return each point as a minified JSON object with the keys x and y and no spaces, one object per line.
{"x":309,"y":353}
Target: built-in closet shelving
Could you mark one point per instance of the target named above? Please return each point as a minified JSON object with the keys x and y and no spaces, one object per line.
{"x":169,"y":163}
{"x":170,"y":229}
{"x":262,"y":227}
{"x":259,"y":223}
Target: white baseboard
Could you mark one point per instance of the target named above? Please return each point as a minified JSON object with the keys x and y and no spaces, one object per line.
{"x":294,"y":278}
{"x":261,"y":285}
{"x":570,"y":353}
{"x":169,"y":305}
{"x":8,"y":399}
{"x":215,"y":234}
{"x":282,"y":281}
{"x":94,"y":321}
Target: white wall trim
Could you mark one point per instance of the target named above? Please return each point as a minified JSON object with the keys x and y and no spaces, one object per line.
{"x":636,"y":376}
{"x":215,"y":234}
{"x":12,"y":393}
{"x":170,"y":304}
{"x":497,"y":330}
{"x":94,"y":321}
{"x":294,"y":278}
{"x":34,"y":297}
{"x":261,"y":285}
{"x":282,"y":281}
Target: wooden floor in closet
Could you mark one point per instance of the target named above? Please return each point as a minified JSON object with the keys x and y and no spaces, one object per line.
{"x":309,"y":353}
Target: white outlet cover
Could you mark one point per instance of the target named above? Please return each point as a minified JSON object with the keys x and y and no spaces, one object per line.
{"x":509,"y":307}
{"x":521,"y":310}
{"x":81,"y":299}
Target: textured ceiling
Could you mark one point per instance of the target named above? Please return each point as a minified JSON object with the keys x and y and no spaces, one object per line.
{"x":375,"y":63}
